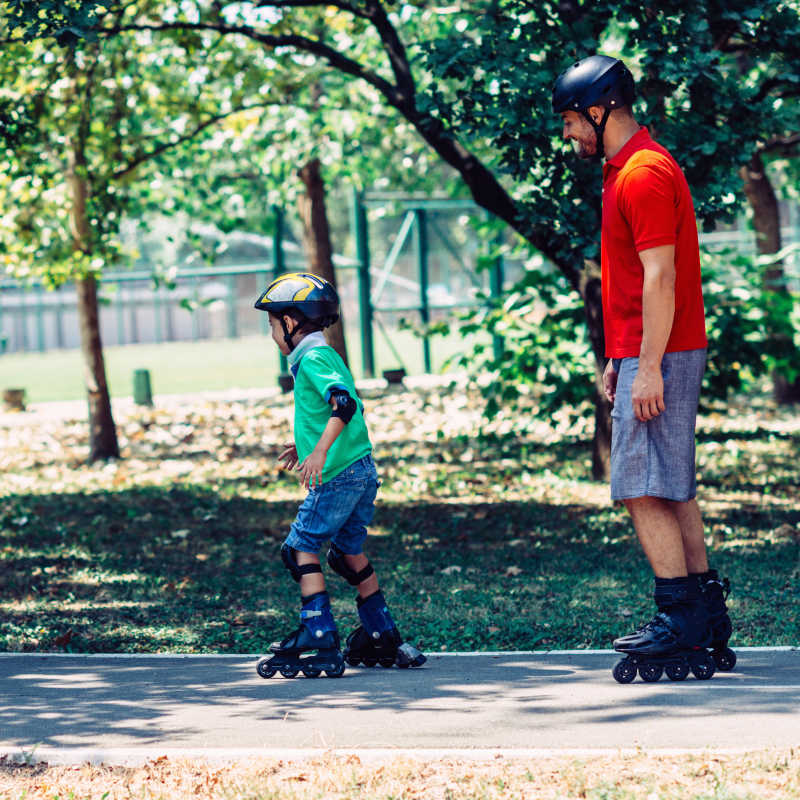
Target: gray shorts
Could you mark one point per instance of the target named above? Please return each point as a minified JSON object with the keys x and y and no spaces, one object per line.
{"x":657,"y":458}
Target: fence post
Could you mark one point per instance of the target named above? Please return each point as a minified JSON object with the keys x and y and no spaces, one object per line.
{"x":230,"y":305}
{"x":422,"y":273}
{"x":278,"y":268}
{"x":40,"y":335}
{"x":360,"y":231}
{"x":496,"y":279}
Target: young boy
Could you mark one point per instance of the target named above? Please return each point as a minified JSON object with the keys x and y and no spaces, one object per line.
{"x":333,"y":454}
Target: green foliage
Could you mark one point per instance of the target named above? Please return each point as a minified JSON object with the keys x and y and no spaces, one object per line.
{"x":547,"y":352}
{"x":67,"y":21}
{"x":714,"y":81}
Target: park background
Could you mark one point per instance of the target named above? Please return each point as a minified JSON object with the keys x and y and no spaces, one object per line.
{"x":166,"y":160}
{"x":163,"y":160}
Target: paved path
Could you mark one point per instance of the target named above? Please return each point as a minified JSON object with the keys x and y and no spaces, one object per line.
{"x":102,"y":707}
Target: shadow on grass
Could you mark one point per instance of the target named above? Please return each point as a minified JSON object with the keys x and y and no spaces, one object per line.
{"x":186,"y":570}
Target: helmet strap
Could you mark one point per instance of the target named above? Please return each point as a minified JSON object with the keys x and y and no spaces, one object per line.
{"x":599,"y":130}
{"x":287,"y":337}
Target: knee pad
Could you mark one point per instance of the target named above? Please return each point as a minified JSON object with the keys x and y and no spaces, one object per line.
{"x":295,"y":570}
{"x":337,"y":562}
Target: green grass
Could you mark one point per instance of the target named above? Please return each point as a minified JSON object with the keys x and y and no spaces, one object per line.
{"x":479,"y":544}
{"x":178,"y":367}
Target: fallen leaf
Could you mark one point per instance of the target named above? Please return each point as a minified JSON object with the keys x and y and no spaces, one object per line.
{"x":451,"y":570}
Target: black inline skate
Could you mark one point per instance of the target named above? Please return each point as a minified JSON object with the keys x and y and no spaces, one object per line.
{"x":674,"y":641}
{"x":377,"y":640}
{"x":317,"y":632}
{"x":715,"y":592}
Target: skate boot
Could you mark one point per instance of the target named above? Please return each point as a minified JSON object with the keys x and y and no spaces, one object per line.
{"x":317,"y":633}
{"x":714,"y":592}
{"x":377,"y":640}
{"x":674,"y":641}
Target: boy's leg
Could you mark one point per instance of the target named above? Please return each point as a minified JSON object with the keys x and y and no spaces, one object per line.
{"x":357,"y":563}
{"x":311,"y":582}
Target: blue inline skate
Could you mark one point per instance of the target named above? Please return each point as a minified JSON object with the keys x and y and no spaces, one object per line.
{"x":673,"y":642}
{"x":317,"y":635}
{"x":377,"y":640}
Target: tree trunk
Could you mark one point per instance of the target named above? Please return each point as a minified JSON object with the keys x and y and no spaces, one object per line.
{"x":317,"y":240}
{"x":767,"y":225}
{"x":102,"y":431}
{"x":593,"y":307}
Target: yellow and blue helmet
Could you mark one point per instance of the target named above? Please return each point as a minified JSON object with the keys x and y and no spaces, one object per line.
{"x":313,"y":297}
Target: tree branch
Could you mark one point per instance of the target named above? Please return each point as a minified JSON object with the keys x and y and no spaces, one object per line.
{"x":164,"y":146}
{"x":786,"y":145}
{"x":354,"y":10}
{"x":330,"y":54}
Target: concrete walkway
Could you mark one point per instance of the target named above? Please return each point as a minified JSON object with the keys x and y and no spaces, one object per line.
{"x":117,"y":708}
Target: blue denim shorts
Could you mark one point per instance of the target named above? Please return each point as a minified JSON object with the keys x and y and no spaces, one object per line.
{"x":337,"y":511}
{"x":657,"y":458}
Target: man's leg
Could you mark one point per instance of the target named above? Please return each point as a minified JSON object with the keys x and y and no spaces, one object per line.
{"x":692,"y":533}
{"x":660,"y":535}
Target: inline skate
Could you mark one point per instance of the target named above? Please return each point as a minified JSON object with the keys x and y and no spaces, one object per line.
{"x":377,"y":640}
{"x":674,"y":641}
{"x":715,"y":592}
{"x":317,"y":632}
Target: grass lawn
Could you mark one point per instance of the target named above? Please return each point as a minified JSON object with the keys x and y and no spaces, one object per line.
{"x":178,"y":367}
{"x":481,"y":540}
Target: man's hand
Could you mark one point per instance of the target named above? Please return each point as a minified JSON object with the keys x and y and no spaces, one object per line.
{"x":289,"y":456}
{"x":311,"y":468}
{"x":610,"y":376}
{"x":647,"y":393}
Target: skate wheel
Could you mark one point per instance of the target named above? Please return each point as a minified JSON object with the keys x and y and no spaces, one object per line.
{"x":369,"y":662}
{"x":386,"y":663}
{"x":265,"y":669}
{"x":703,"y":668}
{"x":289,"y":670}
{"x":336,"y":672}
{"x":725,"y":659}
{"x":312,"y":672}
{"x":624,"y":671}
{"x":677,"y":672}
{"x":353,"y":661}
{"x":650,"y":673}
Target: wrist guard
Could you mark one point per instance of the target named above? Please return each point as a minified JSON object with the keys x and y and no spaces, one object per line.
{"x":346,"y":406}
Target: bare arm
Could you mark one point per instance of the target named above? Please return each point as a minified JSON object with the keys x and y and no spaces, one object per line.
{"x":311,"y":468}
{"x":658,"y":312}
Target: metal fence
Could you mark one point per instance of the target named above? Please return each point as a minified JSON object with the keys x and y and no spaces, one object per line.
{"x":416,"y":259}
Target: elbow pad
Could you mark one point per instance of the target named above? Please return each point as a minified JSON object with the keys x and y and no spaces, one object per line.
{"x":346,"y":406}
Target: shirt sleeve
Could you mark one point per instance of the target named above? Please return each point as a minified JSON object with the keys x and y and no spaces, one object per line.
{"x":648,"y":204}
{"x":322,"y":374}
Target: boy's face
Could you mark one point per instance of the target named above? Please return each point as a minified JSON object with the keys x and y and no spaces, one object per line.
{"x":277,"y":331}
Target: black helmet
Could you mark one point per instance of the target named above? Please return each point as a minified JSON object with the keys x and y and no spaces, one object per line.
{"x":314,"y":297}
{"x":594,"y":81}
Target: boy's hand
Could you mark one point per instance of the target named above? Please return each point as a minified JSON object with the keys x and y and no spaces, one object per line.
{"x":311,"y":468}
{"x":288,"y":457}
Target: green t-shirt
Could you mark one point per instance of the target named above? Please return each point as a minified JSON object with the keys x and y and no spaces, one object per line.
{"x":319,"y":371}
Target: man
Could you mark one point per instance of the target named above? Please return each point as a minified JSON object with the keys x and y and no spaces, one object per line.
{"x":656,"y":343}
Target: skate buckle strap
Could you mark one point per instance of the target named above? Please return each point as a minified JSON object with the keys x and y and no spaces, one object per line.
{"x":309,"y":613}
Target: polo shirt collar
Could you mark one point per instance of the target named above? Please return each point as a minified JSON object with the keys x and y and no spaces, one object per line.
{"x":636,"y":142}
{"x":315,"y":339}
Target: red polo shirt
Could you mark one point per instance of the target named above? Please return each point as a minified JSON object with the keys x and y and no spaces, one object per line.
{"x":646,"y":203}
